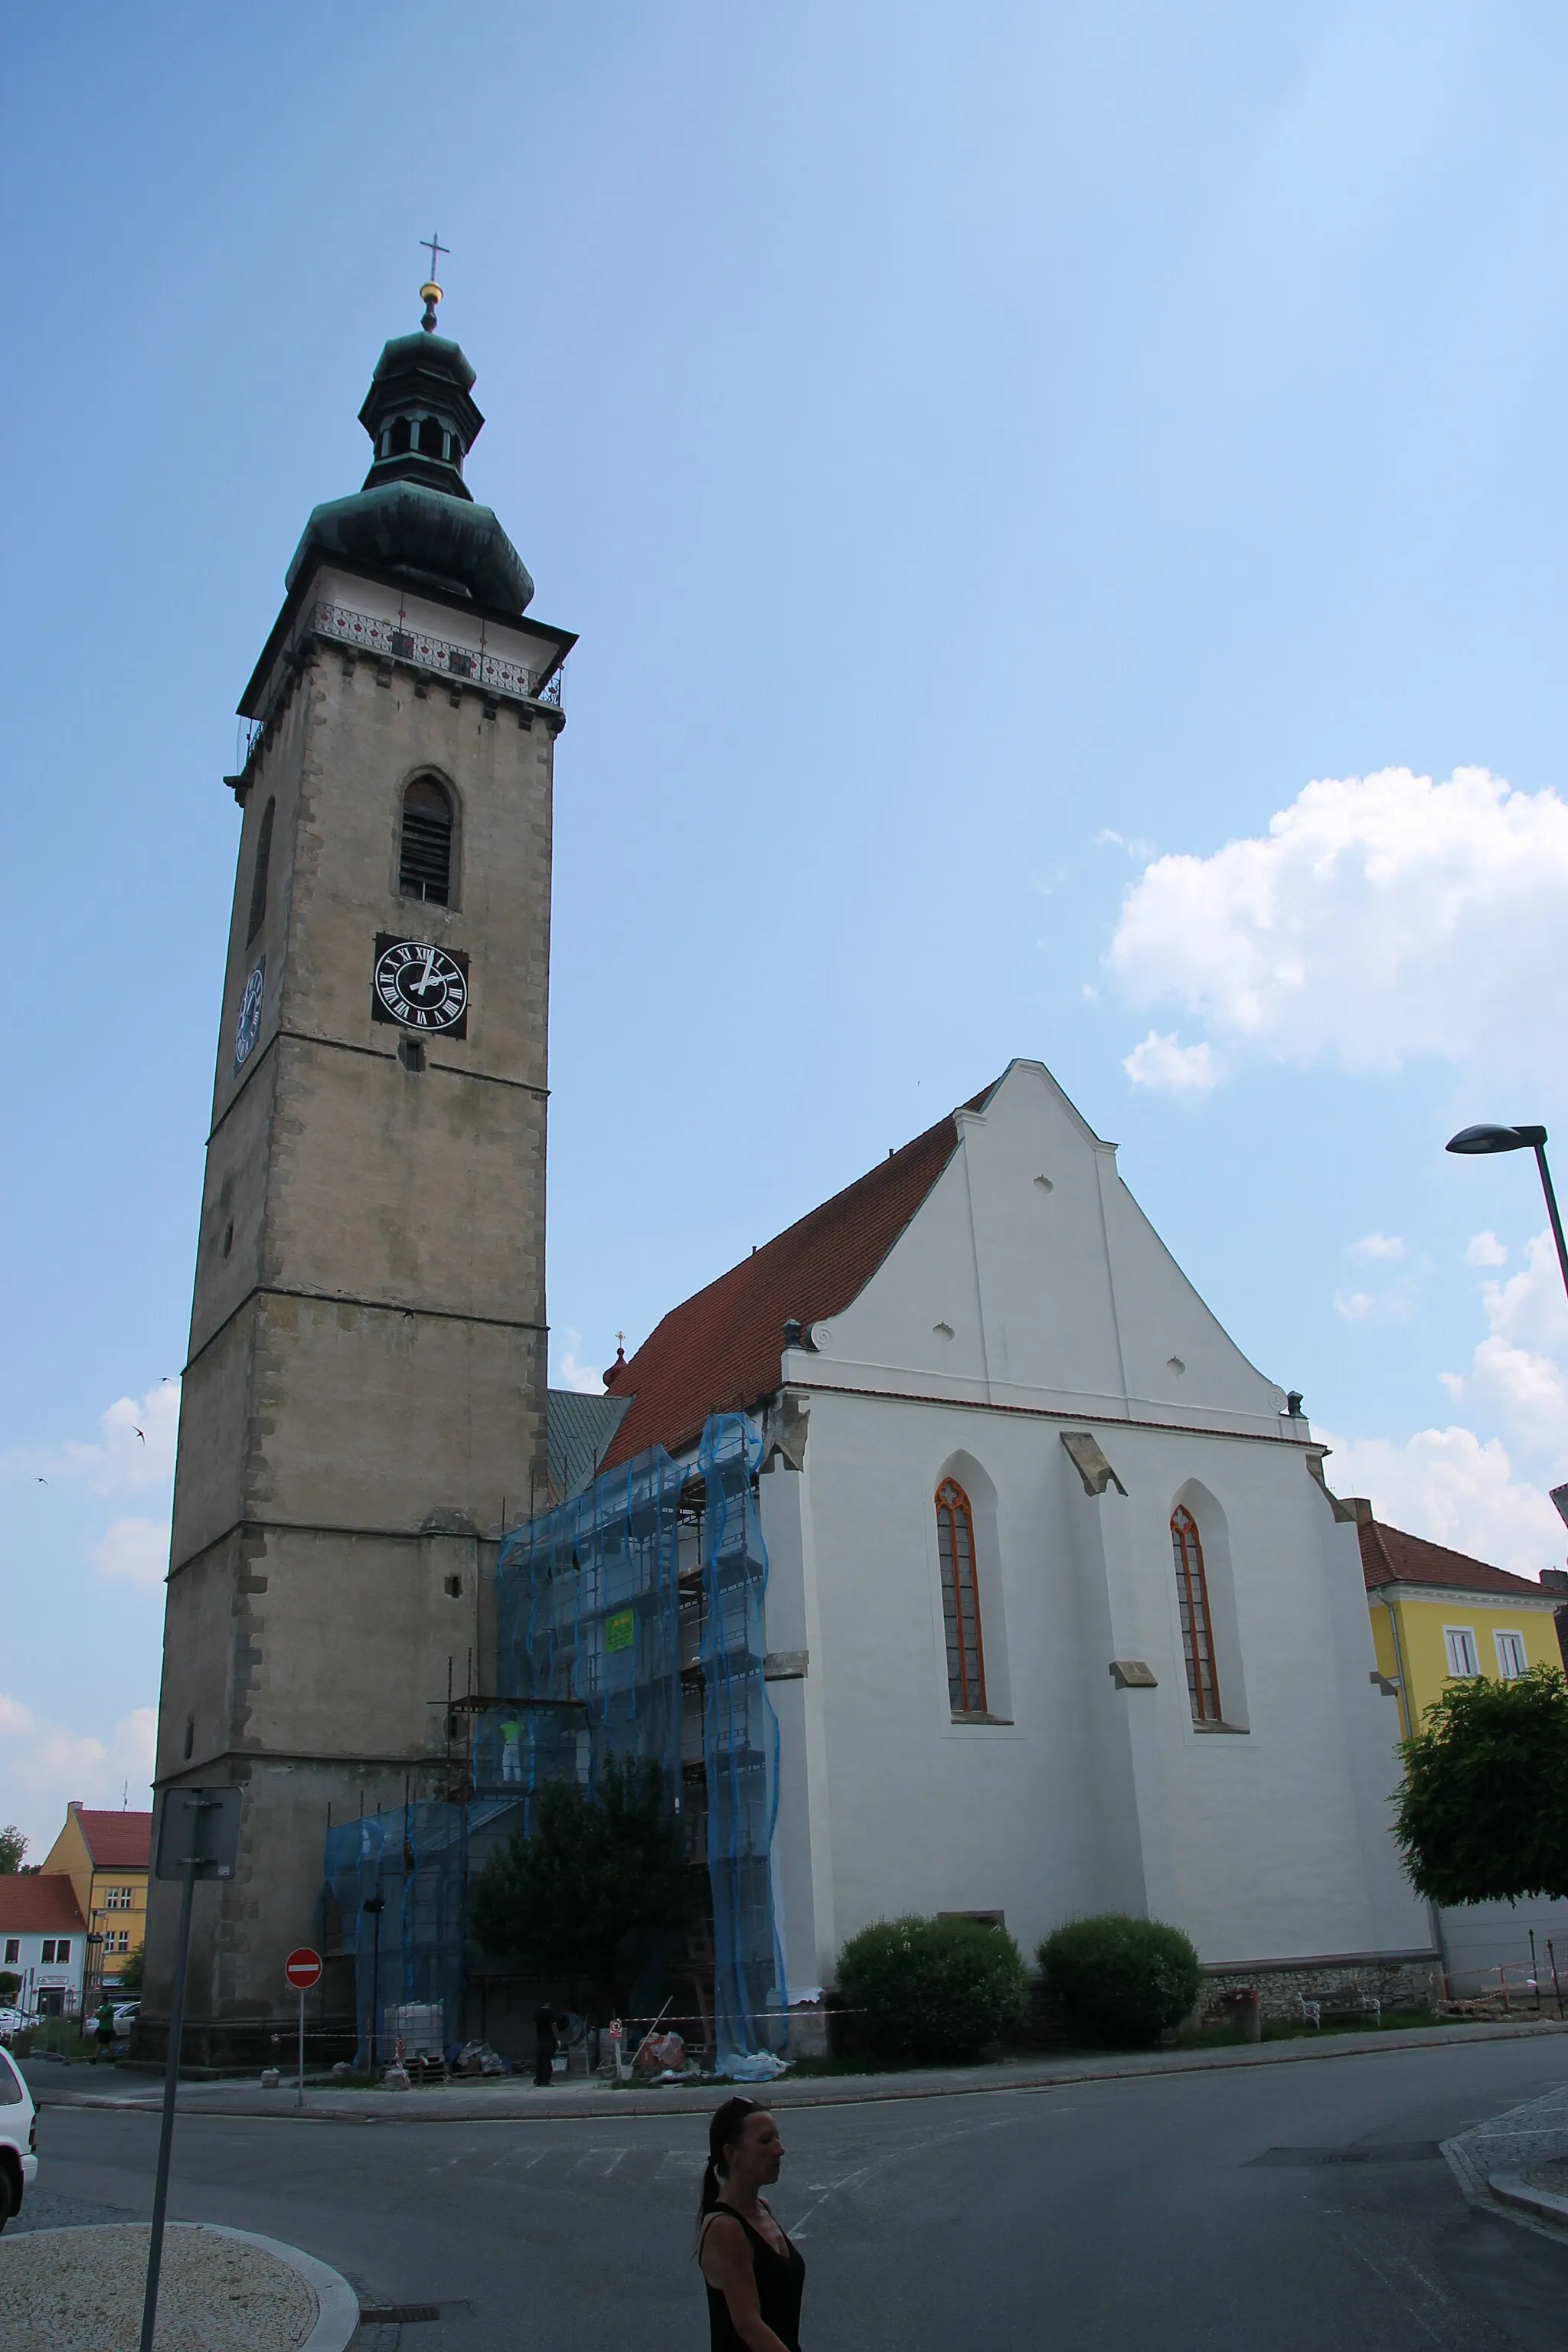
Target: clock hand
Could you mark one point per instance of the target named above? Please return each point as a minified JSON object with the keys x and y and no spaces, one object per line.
{"x":427,"y":981}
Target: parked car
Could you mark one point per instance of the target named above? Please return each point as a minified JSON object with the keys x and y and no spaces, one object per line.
{"x":125,"y":2013}
{"x":18,"y":2139}
{"x":11,"y":2023}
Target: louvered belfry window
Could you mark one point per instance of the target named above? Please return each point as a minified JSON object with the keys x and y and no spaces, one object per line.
{"x":960,"y":1599}
{"x":258,"y":873}
{"x":425,"y":850}
{"x":1197,"y":1621}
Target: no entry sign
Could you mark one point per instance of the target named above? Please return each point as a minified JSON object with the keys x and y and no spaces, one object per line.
{"x":303,"y":1969}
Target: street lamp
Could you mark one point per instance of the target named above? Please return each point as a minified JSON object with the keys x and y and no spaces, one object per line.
{"x":1519,"y":1138}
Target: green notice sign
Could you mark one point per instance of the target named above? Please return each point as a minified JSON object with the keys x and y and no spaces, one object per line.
{"x":620,"y":1631}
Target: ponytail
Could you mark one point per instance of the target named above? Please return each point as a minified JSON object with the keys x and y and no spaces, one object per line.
{"x":724,"y":2129}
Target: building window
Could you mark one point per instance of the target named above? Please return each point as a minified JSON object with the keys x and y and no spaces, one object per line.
{"x":960,"y":1599}
{"x":425,"y":849}
{"x":1197,"y":1621}
{"x":13,"y":1948}
{"x":1511,"y":1662}
{"x":1460,"y":1643}
{"x":118,"y":1898}
{"x":258,"y":873}
{"x":54,"y":1954}
{"x":117,"y":1940}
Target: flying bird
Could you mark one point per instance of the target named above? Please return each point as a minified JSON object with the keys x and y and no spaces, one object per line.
{"x":142,"y":1436}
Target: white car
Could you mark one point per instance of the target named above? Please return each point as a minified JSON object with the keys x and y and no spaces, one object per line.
{"x":125,"y":2015}
{"x":11,"y":2023}
{"x":18,"y":2139}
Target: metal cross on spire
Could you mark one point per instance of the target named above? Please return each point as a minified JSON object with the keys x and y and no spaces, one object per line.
{"x":430,"y":292}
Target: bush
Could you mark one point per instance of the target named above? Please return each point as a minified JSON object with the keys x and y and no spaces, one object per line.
{"x":1119,"y":1981}
{"x":931,"y":1987}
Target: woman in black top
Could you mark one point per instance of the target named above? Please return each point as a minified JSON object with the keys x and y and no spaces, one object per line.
{"x":753,"y":2274}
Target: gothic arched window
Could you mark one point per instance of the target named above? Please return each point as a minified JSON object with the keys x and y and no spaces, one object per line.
{"x":431,"y":437}
{"x":258,"y":873}
{"x":1197,"y":1621}
{"x":960,"y":1599}
{"x":425,"y":846}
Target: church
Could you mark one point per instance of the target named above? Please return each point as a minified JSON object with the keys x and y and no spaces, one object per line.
{"x":946,"y":1549}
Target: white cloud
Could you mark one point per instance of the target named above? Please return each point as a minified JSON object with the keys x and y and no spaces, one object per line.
{"x":1446,"y":1485}
{"x":1519,"y":1372}
{"x":46,"y":1764}
{"x":1376,"y":1245}
{"x":133,"y":1552}
{"x":571,"y":1373}
{"x":1373,"y":1306}
{"x":1381,"y":919}
{"x":1172,"y":1068}
{"x":134,"y":1449}
{"x":1485,"y":1249}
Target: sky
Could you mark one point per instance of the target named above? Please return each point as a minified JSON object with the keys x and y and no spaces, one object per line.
{"x":1064,"y":510}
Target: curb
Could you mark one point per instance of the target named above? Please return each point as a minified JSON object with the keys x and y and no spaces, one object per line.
{"x":337,"y":2304}
{"x":828,"y":2090}
{"x":1513,"y":2188}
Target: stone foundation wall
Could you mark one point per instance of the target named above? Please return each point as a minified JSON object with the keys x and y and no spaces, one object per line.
{"x":1396,"y":1983}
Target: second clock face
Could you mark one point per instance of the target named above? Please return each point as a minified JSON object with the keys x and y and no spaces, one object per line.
{"x":421,"y":987}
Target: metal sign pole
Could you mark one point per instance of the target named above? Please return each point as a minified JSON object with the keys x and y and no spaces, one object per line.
{"x":299,"y":2097}
{"x":198,"y":1837}
{"x":171,"y":2085}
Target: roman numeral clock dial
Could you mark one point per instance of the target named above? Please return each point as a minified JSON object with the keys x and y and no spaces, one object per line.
{"x":420,"y":987}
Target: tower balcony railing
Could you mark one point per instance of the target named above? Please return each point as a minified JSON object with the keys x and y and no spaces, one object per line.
{"x":396,"y":643}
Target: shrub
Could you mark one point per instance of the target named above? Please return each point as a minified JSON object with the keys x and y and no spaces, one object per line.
{"x":1117,"y":1979}
{"x":931,"y":1987}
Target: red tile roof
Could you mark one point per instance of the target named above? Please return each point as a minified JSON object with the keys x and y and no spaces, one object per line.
{"x":1388,"y":1556}
{"x":117,"y":1841}
{"x":31,"y":1905}
{"x":720,"y":1351}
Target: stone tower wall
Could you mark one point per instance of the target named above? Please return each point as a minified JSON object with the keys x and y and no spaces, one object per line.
{"x":365,"y":1389}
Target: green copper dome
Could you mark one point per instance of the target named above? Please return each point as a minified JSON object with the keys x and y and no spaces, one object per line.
{"x":416,"y":514}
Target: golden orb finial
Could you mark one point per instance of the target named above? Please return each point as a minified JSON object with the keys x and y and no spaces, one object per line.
{"x":430,"y":293}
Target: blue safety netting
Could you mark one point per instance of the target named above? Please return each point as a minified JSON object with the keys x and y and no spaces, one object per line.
{"x":415,"y":1862}
{"x":740,"y":1744}
{"x":601,"y":1602}
{"x":587,"y":1632}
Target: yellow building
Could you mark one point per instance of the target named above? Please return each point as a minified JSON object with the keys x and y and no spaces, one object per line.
{"x":1437,"y":1616}
{"x":106,"y":1857}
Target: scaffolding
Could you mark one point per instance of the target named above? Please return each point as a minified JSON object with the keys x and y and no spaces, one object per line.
{"x":630,"y":1625}
{"x":642,"y":1599}
{"x":393,"y":1896}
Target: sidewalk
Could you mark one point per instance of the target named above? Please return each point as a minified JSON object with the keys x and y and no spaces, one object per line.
{"x":507,"y":2099}
{"x":221,"y":2290}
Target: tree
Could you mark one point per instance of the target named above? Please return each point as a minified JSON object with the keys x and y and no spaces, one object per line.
{"x":1482,"y":1816}
{"x":13,"y":1846}
{"x":584,"y":1899}
{"x":131,"y":1968}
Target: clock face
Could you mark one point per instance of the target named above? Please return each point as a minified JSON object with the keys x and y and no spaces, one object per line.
{"x":249,"y":1027}
{"x":421,"y":987}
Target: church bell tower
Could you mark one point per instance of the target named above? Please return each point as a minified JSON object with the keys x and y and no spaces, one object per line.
{"x":364,"y":1392}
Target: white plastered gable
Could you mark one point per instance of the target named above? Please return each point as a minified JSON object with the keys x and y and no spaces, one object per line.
{"x":1030,"y":1275}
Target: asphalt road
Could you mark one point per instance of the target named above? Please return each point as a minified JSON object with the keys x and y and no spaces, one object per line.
{"x":1204,"y":2213}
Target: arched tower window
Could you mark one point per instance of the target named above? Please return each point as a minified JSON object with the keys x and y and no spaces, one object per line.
{"x":431,"y":437}
{"x":1197,"y":1619}
{"x":258,"y":873}
{"x":960,"y":1599}
{"x":424,"y":848}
